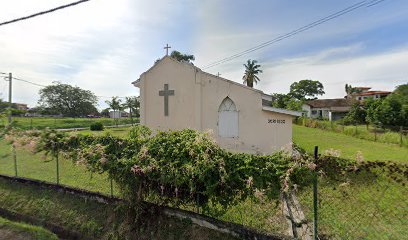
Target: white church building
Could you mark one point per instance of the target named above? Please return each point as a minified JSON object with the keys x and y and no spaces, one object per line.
{"x":176,"y":95}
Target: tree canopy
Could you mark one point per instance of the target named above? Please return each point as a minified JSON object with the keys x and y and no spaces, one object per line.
{"x":252,"y":69}
{"x":306,"y":89}
{"x":115,"y":104}
{"x":391,"y":111}
{"x":182,"y":57}
{"x":67,"y":100}
{"x":350,"y":89}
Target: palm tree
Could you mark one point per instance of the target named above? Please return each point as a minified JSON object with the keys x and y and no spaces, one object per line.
{"x":132,"y":104}
{"x":251,"y":72}
{"x":115,"y":104}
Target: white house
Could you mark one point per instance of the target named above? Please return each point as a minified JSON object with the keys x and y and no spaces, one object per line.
{"x":328,"y":109}
{"x":176,"y":95}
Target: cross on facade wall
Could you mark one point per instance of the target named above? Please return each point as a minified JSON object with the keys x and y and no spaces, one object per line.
{"x":166,"y":93}
{"x":167,"y":49}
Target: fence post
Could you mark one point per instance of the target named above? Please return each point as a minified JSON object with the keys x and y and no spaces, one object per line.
{"x":31,"y":123}
{"x":111,"y":186}
{"x":15,"y":160}
{"x":401,"y":136}
{"x":55,"y":155}
{"x":315,"y":233}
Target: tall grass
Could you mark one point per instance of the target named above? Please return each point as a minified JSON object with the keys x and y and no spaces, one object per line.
{"x":367,"y":132}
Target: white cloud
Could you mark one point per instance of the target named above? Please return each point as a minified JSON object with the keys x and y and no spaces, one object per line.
{"x":381,"y":71}
{"x":99,"y":45}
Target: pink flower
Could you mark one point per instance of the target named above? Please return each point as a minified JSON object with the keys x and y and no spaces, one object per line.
{"x":137,"y":170}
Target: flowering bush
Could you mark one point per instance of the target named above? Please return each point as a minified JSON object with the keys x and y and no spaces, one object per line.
{"x":176,"y":166}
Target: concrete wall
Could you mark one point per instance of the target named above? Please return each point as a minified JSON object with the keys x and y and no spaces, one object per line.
{"x":195,"y":104}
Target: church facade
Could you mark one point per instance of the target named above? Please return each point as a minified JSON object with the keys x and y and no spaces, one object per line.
{"x":176,"y":95}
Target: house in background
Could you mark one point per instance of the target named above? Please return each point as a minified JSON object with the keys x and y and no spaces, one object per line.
{"x":21,"y":106}
{"x":118,"y":114}
{"x":327,"y":109}
{"x":365,"y":93}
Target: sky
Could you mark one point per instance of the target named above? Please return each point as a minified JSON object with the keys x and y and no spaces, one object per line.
{"x":104,"y":45}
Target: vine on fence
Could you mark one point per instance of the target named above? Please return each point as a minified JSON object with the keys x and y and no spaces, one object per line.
{"x":177,"y":166}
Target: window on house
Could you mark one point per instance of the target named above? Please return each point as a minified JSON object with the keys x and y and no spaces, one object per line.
{"x":314,"y":112}
{"x":228,"y":119}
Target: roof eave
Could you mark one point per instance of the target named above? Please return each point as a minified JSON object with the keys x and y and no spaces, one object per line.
{"x":136,"y":83}
{"x":283,"y":111}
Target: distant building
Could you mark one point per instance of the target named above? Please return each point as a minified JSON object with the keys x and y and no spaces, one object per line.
{"x":364,"y":93}
{"x":118,"y":114}
{"x":328,"y":109}
{"x":21,"y":106}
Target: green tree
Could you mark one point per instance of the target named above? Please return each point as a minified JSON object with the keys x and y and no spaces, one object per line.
{"x":371,"y":107}
{"x":306,"y":89}
{"x":350,"y":90}
{"x":105,"y":112}
{"x":294,"y":104}
{"x":356,"y":115}
{"x":3,"y":105}
{"x":280,"y":100}
{"x":67,"y":100}
{"x":115,"y":104}
{"x":251,"y":73}
{"x":390,"y":112}
{"x":133,"y":105}
{"x":402,"y":92}
{"x":182,"y":57}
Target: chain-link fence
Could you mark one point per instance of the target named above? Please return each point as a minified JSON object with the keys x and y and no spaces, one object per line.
{"x":370,"y":202}
{"x":360,"y":209}
{"x":52,"y":168}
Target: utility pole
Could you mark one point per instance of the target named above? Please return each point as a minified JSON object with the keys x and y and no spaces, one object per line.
{"x":10,"y":90}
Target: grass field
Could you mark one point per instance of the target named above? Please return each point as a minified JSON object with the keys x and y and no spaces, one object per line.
{"x":360,"y":206}
{"x":21,"y":231}
{"x":57,"y":123}
{"x":367,"y":132}
{"x":307,"y":138}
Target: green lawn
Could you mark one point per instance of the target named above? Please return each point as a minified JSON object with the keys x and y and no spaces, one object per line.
{"x":55,"y":123}
{"x":307,"y":138}
{"x":21,"y":231}
{"x":120,"y":132}
{"x":37,"y":167}
{"x":360,"y":206}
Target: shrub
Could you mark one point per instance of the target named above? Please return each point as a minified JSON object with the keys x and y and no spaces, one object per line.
{"x":96,"y":126}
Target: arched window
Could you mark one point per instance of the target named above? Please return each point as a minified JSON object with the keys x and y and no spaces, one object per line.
{"x":228,"y":119}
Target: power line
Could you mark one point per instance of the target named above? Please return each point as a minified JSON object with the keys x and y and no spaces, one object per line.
{"x":43,"y":12}
{"x":33,"y":83}
{"x":40,"y":85}
{"x":297,"y":31}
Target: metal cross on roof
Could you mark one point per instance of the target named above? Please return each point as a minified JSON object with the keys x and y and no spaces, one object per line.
{"x":167,"y":49}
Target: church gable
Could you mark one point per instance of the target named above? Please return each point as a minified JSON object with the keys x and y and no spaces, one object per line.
{"x":178,"y":95}
{"x":167,"y":91}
